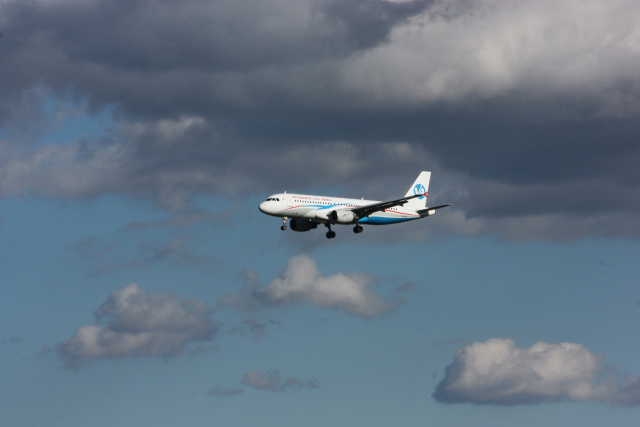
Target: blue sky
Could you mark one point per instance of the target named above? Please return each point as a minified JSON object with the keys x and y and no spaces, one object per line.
{"x":140,"y":285}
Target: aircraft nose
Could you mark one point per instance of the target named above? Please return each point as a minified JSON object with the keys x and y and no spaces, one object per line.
{"x":263,"y":207}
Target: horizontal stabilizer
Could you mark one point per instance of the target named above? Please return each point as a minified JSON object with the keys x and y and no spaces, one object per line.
{"x":431,"y":211}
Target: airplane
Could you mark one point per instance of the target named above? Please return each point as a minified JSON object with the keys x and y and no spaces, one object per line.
{"x":307,"y":211}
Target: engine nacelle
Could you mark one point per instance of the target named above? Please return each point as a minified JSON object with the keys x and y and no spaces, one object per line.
{"x":342,"y":216}
{"x":302,"y":224}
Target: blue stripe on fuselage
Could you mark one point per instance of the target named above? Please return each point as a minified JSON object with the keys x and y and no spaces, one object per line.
{"x":382,"y":220}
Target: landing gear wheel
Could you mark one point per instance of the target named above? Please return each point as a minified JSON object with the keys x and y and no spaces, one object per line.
{"x":283,"y":228}
{"x":284,"y":223}
{"x":330,"y":234}
{"x":357,"y":229}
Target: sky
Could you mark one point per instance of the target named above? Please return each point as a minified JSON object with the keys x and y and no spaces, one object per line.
{"x":140,"y":285}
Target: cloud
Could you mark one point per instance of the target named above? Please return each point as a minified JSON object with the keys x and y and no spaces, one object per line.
{"x":207,"y":57}
{"x":456,"y":51}
{"x":497,"y":372}
{"x":89,"y":167}
{"x":528,"y":114}
{"x":135,"y":323}
{"x":302,"y":283}
{"x":273,"y":381}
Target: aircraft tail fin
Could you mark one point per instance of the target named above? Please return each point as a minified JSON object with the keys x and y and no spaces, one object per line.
{"x":420,"y":186}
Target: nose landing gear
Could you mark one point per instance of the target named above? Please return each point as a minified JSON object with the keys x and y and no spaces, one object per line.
{"x":284,"y":223}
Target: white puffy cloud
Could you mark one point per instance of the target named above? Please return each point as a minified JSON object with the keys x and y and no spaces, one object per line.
{"x":273,"y":381}
{"x":302,"y":283}
{"x":138,"y":323}
{"x":498,"y":372}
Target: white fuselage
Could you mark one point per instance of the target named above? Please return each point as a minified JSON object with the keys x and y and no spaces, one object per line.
{"x":318,"y":208}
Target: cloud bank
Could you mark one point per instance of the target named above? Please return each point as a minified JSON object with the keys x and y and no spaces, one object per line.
{"x":135,"y":323}
{"x":497,"y":372}
{"x":302,"y":283}
{"x":527,"y":113}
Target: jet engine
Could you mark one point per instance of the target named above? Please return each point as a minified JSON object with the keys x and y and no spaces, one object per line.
{"x":302,"y":224}
{"x":342,"y":217}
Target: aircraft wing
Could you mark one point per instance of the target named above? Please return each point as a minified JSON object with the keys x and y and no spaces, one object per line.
{"x":364,"y":211}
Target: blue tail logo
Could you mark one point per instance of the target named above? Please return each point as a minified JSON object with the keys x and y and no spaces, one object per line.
{"x":419,"y":189}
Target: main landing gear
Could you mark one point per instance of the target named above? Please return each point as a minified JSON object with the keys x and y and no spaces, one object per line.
{"x":330,"y":234}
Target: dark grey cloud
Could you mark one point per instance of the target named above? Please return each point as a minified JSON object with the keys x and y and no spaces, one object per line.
{"x":528,"y":113}
{"x":135,"y":323}
{"x":497,"y":372}
{"x":202,"y":54}
{"x":366,"y":24}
